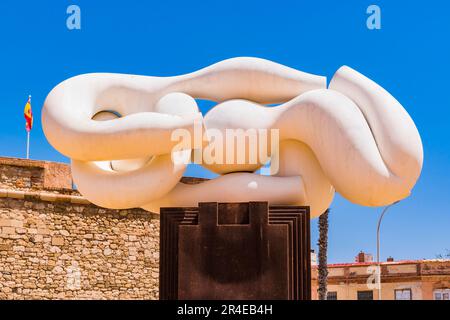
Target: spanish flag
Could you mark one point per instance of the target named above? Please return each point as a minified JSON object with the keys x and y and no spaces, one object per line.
{"x":28,"y":113}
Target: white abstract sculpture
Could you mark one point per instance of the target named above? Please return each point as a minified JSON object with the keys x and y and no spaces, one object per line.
{"x":353,"y":137}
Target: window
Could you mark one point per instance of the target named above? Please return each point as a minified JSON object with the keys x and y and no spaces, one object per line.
{"x":332,"y":295}
{"x":403,"y":294}
{"x":442,"y":294}
{"x":365,"y":295}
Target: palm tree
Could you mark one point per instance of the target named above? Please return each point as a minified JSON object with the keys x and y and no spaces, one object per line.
{"x":323,"y":246}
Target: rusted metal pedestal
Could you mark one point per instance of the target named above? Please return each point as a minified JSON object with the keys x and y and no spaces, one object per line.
{"x":235,"y":251}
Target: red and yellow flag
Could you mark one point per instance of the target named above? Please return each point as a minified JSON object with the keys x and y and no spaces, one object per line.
{"x":28,"y":113}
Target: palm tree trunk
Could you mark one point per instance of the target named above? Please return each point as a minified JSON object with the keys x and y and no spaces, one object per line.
{"x":323,"y":246}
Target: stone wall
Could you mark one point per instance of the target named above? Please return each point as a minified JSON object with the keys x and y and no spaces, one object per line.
{"x":29,"y":175}
{"x":56,"y":245}
{"x":15,"y":177}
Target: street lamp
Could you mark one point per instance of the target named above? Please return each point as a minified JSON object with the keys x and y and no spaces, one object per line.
{"x":378,"y":248}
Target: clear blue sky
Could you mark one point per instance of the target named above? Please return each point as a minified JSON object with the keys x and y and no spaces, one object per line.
{"x":409,"y":56}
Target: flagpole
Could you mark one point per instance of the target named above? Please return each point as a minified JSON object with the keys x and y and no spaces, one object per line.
{"x":28,"y":134}
{"x":28,"y":145}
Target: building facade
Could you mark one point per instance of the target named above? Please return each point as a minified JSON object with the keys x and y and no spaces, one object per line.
{"x":400,"y":280}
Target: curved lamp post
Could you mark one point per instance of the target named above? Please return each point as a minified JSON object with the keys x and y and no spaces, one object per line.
{"x":378,"y":248}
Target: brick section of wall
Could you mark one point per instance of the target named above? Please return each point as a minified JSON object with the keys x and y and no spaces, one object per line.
{"x":56,"y":250}
{"x":57,"y":176}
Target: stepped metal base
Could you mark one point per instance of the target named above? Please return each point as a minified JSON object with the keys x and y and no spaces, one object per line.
{"x":239,"y":251}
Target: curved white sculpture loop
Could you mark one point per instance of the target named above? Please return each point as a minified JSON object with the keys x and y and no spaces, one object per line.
{"x":118,"y":130}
